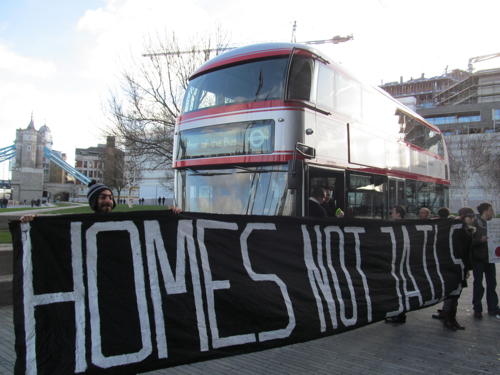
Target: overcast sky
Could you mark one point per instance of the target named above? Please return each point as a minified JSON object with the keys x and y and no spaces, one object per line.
{"x":59,"y":58}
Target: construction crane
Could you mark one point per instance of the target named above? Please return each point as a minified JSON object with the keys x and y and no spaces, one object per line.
{"x":334,"y":40}
{"x":481,"y":58}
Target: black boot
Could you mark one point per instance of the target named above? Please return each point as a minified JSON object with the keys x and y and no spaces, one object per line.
{"x":401,"y":318}
{"x":454,"y":320}
{"x":439,"y":315}
{"x":450,"y":321}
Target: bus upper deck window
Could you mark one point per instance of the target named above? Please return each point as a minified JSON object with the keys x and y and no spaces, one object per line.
{"x":299,"y":83}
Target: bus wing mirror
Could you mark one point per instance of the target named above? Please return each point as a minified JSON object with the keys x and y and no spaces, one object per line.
{"x":307,"y":152}
{"x":295,"y":167}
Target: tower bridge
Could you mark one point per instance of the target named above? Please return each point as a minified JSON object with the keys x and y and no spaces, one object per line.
{"x":38,"y":172}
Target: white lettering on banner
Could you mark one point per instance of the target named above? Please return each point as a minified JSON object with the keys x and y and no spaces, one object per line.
{"x":317,"y":278}
{"x":438,"y":268}
{"x":390,"y":231}
{"x":212,"y":285}
{"x":98,"y":358}
{"x":425,"y":229}
{"x":357,"y":231}
{"x":455,"y":260}
{"x":155,"y":250}
{"x":31,"y":300}
{"x":278,"y":333}
{"x":405,"y":260}
{"x":328,"y":231}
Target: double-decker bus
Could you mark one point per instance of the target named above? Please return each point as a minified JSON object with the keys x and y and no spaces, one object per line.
{"x":262,"y":125}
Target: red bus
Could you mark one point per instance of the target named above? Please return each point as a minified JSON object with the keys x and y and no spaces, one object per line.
{"x":262,"y":125}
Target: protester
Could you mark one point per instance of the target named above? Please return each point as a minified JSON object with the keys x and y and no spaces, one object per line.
{"x":100,"y":198}
{"x":444,"y":213}
{"x":448,"y":313}
{"x":424,"y":213}
{"x":397,"y":213}
{"x":481,"y":265}
{"x":317,"y":198}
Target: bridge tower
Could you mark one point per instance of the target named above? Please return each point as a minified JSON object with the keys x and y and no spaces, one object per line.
{"x":29,"y":168}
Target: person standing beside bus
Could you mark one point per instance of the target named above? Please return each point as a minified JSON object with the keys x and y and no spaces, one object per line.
{"x":449,"y":312}
{"x":481,"y":265}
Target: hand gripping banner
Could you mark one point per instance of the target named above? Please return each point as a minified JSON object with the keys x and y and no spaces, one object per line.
{"x":131,"y":292}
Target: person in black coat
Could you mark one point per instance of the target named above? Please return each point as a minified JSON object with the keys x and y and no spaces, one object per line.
{"x":448,"y":314}
{"x":318,"y":197}
{"x":481,"y":265}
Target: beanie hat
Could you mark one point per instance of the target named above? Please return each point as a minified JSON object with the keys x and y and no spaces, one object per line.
{"x":93,"y":193}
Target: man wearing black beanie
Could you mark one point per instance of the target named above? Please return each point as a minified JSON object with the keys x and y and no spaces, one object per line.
{"x":100,"y":198}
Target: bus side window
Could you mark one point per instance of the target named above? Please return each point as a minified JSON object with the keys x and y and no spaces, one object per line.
{"x":299,"y":84}
{"x":415,"y":133}
{"x":326,"y":88}
{"x":348,"y":96}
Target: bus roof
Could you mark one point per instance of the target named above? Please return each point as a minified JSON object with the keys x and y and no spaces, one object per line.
{"x":263,"y":50}
{"x":254,"y":51}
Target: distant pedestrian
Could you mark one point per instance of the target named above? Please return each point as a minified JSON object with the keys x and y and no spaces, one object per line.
{"x":159,"y":201}
{"x":163,"y":201}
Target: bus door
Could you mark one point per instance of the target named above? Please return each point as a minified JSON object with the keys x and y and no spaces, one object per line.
{"x":330,"y":179}
{"x":396,"y":192}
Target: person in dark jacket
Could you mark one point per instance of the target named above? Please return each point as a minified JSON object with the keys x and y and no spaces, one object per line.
{"x":481,"y":265}
{"x":330,"y":205}
{"x":448,"y":314}
{"x":318,"y":197}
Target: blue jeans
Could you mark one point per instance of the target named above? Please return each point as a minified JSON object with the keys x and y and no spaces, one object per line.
{"x":489,"y":271}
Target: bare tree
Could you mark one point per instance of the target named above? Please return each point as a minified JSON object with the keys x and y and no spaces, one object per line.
{"x":489,"y":176}
{"x":133,"y":172}
{"x":113,"y":160}
{"x":470,"y":157}
{"x":144,"y":112}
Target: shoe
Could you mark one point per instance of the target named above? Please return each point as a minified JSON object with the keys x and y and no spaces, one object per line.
{"x":448,"y":324}
{"x":497,"y":316}
{"x":494,"y":312}
{"x":401,"y":318}
{"x":457,"y":325}
{"x":478,"y":315}
{"x":439,"y":315}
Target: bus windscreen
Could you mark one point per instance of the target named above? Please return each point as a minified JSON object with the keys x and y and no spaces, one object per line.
{"x":251,"y":82}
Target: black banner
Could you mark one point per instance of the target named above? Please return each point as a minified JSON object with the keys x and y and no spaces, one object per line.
{"x":131,"y":292}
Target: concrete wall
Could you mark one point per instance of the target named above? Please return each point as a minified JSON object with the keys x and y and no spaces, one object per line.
{"x":27,"y":184}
